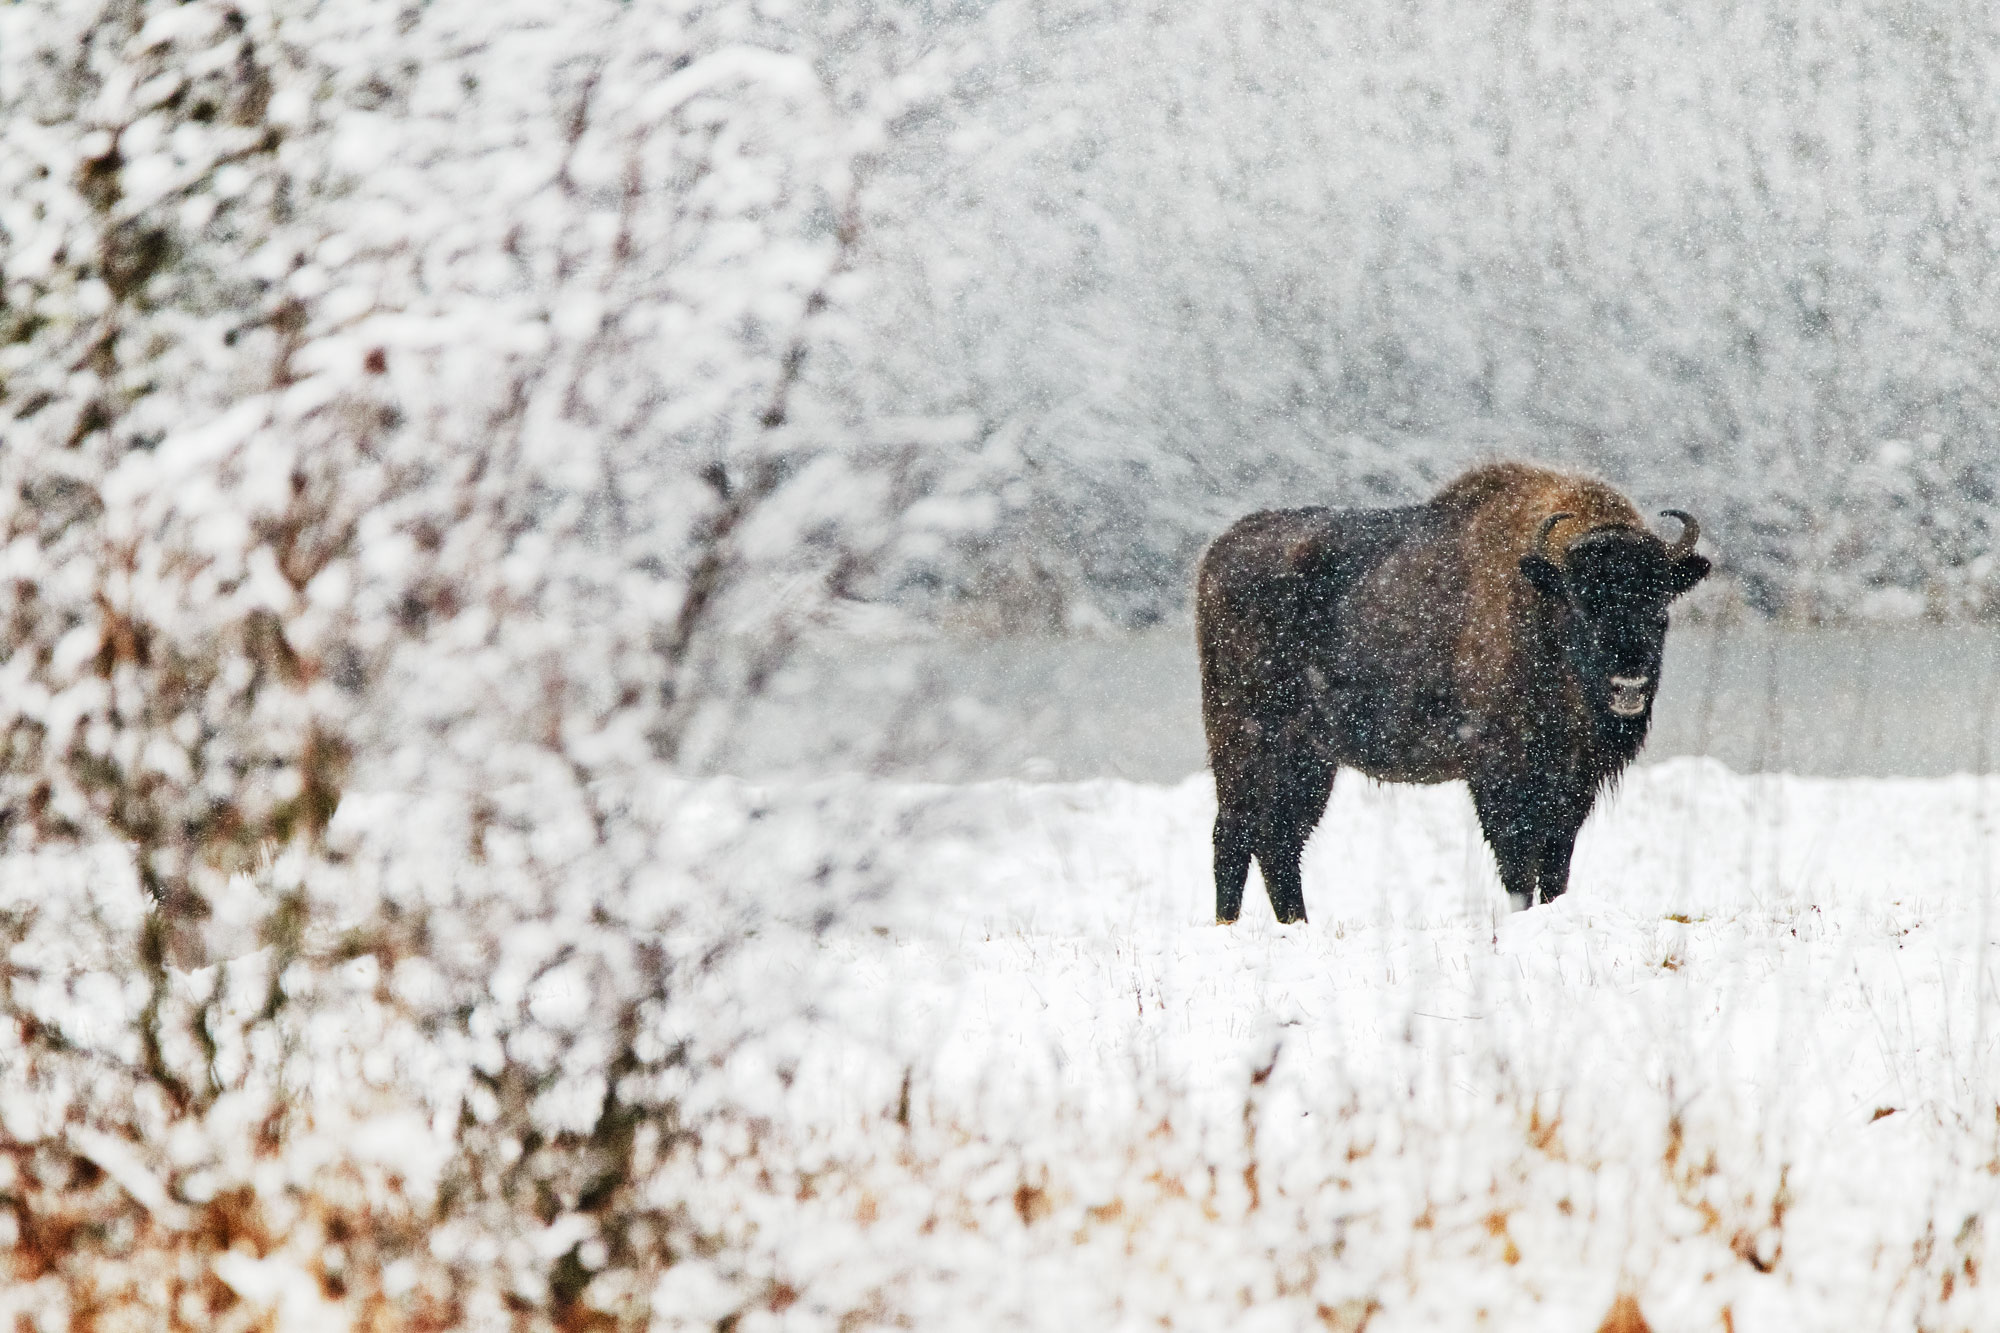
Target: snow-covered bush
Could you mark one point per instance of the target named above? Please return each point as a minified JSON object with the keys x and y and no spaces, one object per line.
{"x":443,"y":400}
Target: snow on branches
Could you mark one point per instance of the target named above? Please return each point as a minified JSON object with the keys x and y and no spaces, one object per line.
{"x":453,"y":346}
{"x":435,"y":399}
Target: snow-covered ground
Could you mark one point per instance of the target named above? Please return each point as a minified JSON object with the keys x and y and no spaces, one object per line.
{"x":1747,"y":1072}
{"x":850,"y":1054}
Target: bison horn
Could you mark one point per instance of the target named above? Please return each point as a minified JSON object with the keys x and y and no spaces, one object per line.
{"x":1542,"y":533}
{"x":1683,"y":547}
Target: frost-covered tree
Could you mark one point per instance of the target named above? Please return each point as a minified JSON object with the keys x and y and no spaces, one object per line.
{"x":494,"y":356}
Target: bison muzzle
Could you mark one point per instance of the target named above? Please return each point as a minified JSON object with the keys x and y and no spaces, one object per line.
{"x":1507,"y":632}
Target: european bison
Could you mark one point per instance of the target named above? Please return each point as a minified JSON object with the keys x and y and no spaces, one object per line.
{"x":1507,"y":632}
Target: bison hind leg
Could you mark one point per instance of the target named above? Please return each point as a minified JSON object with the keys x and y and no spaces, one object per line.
{"x":1268,"y":807}
{"x":1232,"y":860}
{"x":1278,"y":856}
{"x":1293,"y":812}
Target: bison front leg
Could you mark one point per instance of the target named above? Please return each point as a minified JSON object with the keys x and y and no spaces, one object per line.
{"x":1531,"y":825}
{"x":1552,"y":874}
{"x":1507,"y":818}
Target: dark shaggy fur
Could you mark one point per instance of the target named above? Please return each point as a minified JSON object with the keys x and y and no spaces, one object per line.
{"x":1467,"y":637}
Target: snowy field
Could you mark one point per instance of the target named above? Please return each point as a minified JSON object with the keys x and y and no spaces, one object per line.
{"x":1745,"y":1073}
{"x":430,"y":434}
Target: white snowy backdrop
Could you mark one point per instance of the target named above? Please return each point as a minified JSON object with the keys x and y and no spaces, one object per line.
{"x":424,"y":426}
{"x":1186,"y":258}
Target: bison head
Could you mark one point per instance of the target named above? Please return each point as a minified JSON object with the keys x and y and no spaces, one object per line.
{"x":1610,"y":594}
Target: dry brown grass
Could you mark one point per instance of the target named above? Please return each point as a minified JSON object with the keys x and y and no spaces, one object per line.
{"x":1625,"y":1317}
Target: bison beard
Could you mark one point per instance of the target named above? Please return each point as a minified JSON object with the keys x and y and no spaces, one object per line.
{"x":1507,"y":632}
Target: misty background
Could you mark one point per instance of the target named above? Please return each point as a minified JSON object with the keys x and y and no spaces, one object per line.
{"x":1162,"y":264}
{"x":1176,"y":261}
{"x":809,"y":384}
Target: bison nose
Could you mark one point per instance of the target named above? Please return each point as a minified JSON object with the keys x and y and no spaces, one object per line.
{"x":1628,"y":695}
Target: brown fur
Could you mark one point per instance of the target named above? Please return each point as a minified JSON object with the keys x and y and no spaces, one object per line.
{"x":1411,"y":644}
{"x":1503,"y":505}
